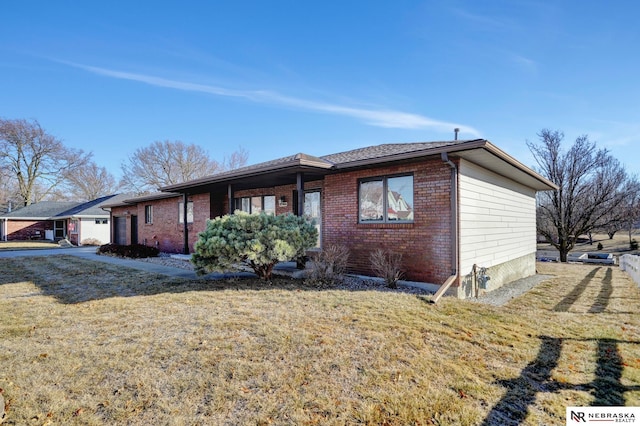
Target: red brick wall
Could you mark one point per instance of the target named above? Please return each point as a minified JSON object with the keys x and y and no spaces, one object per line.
{"x":425,"y":243}
{"x":24,"y":229}
{"x":166,"y":232}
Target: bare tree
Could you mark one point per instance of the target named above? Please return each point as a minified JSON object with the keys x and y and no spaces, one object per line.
{"x":632,"y":211}
{"x":237,"y":159}
{"x":627,"y":213}
{"x":35,"y":158}
{"x":593,"y":189}
{"x":89,"y":182}
{"x":9,"y":194}
{"x":169,"y":162}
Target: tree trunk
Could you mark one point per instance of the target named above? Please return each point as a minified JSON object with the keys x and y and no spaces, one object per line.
{"x":563,"y":249}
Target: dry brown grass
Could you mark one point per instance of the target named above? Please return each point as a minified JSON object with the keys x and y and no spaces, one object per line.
{"x":88,"y":343}
{"x":27,"y":245}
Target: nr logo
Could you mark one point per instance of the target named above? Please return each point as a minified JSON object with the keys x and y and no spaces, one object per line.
{"x":577,"y":416}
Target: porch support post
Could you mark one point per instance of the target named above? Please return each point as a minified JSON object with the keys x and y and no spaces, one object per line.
{"x":185,"y":247}
{"x":230,"y":198}
{"x":300,"y":190}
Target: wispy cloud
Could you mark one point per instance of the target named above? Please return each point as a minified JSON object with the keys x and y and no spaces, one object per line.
{"x":484,"y":21}
{"x":526,"y":63}
{"x":374,"y":117}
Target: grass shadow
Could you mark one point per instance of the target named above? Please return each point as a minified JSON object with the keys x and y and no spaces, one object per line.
{"x":574,"y":295}
{"x":536,"y":377}
{"x":608,"y":390}
{"x":603,"y":298}
{"x":74,"y":280}
{"x":513,"y":408}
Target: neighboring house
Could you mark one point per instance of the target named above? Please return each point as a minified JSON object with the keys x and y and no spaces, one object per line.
{"x":450,"y":208}
{"x":57,"y":220}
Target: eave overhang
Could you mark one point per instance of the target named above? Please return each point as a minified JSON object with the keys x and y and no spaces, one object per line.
{"x":262,"y":175}
{"x":284,"y":171}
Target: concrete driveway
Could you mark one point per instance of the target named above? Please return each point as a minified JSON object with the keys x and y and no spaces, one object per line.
{"x":89,"y":253}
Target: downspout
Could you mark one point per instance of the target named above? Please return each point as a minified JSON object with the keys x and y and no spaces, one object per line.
{"x":454,"y":229}
{"x":185,"y":222}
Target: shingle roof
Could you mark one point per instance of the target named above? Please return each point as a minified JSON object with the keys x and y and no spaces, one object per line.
{"x":385,"y":150}
{"x":42,"y":209}
{"x":63,"y":209}
{"x":93,"y":207}
{"x":316,"y":167}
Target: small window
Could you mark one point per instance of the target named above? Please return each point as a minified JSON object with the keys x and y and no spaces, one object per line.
{"x":148,"y":214}
{"x":98,"y":221}
{"x":102,"y":221}
{"x":189,"y":212}
{"x":386,"y":199}
{"x":105,"y":221}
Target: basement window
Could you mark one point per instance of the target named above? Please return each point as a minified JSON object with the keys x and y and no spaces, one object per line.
{"x":387,"y":199}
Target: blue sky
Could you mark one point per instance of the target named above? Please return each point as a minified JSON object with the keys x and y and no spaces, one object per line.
{"x":281,"y":77}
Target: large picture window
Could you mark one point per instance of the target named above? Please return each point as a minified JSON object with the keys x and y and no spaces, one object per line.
{"x":266,"y":203}
{"x":386,"y":199}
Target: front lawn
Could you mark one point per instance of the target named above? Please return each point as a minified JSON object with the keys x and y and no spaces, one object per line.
{"x":90,"y":343}
{"x":27,"y":245}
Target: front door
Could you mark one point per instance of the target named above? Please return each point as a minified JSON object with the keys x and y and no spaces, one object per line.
{"x":59,"y":232}
{"x":134,"y":229}
{"x":120,"y":230}
{"x":313,"y":211}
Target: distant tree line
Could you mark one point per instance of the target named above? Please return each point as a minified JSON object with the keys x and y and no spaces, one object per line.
{"x":36,"y":166}
{"x":595,"y":193}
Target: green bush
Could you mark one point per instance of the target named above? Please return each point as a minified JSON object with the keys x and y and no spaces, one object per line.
{"x":135,"y":251}
{"x":259,"y":240}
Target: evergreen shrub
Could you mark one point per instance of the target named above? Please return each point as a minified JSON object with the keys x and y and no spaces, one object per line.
{"x":258,"y":240}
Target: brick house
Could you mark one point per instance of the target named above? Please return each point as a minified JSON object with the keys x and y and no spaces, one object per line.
{"x":57,"y":220}
{"x":449,"y":207}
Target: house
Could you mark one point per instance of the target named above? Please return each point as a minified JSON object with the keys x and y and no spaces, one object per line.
{"x":451,"y":208}
{"x":57,"y":220}
{"x":156,"y":219}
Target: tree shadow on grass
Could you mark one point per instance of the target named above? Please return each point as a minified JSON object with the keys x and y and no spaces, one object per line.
{"x":536,"y":377}
{"x":74,"y":280}
{"x":574,"y":295}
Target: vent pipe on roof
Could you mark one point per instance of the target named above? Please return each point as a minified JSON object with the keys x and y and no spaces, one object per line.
{"x":455,"y":131}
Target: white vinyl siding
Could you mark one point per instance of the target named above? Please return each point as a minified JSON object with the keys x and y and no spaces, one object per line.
{"x":497,"y":218}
